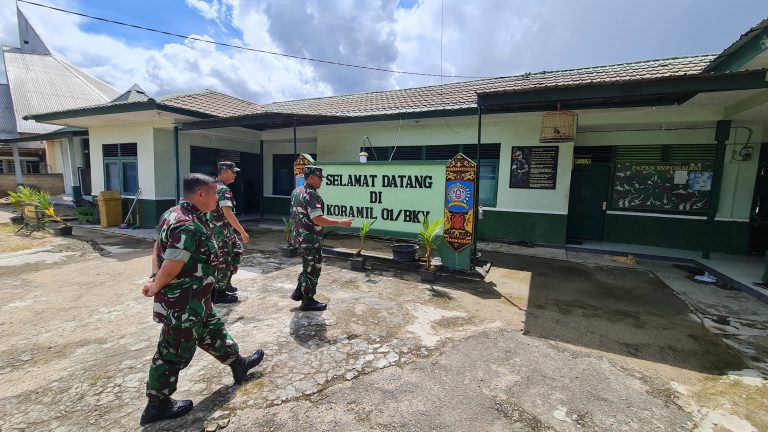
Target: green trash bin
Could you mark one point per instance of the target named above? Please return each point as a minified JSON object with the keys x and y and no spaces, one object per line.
{"x":110,"y":208}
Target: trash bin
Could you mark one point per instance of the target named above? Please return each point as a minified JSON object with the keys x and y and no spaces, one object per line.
{"x":110,"y":208}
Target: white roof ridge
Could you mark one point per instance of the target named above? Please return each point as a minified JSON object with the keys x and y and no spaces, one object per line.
{"x":74,"y":71}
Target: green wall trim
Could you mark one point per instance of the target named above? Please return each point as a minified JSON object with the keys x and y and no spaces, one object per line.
{"x":546,"y":228}
{"x":676,"y":233}
{"x":280,"y":206}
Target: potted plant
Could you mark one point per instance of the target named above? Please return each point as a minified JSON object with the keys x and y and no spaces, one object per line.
{"x":45,"y":204}
{"x":358,"y":261}
{"x":289,"y":250}
{"x":429,"y":234}
{"x":23,"y":195}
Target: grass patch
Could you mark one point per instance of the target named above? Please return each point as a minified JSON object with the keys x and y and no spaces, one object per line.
{"x":8,"y":228}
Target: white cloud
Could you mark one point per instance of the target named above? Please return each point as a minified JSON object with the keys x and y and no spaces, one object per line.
{"x":480,"y":38}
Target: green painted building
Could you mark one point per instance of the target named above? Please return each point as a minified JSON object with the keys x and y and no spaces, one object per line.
{"x":665,"y":152}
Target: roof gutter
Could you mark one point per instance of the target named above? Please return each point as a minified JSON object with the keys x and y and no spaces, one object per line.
{"x":149,"y":105}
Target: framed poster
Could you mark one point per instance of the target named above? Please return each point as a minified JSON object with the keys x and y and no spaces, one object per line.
{"x":534,"y":167}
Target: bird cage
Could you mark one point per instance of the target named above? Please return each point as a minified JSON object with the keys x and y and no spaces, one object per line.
{"x":558,"y":126}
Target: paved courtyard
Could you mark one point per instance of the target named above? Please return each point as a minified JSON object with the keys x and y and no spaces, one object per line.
{"x":540,"y":345}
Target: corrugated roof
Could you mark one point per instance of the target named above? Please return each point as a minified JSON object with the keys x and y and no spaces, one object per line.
{"x":7,"y":118}
{"x":464,"y":94}
{"x":211,"y":102}
{"x":40,"y":83}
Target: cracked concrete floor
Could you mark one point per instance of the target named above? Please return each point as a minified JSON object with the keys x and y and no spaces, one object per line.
{"x":539,"y":346}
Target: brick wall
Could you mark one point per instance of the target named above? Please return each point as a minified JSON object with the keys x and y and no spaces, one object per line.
{"x":53,"y":183}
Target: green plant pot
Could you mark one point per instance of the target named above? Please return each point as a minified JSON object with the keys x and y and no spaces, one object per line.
{"x":63,"y":230}
{"x":358,"y":263}
{"x":428,"y":275}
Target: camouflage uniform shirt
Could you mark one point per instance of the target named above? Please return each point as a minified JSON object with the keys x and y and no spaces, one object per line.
{"x":221,"y":227}
{"x":185,"y":235}
{"x":306,"y":204}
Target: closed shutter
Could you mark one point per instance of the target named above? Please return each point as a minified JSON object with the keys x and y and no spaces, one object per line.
{"x":442,"y":152}
{"x":407,"y":153}
{"x":691,"y":153}
{"x":640,"y":153}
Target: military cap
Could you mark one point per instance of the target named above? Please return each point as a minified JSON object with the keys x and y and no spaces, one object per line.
{"x":313,"y":170}
{"x":228,"y":166}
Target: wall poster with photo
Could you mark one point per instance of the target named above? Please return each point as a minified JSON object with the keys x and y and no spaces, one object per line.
{"x":534,"y":167}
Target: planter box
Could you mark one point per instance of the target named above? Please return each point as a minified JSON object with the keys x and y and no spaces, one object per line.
{"x":64,"y":230}
{"x":404,"y":252}
{"x":358,"y":263}
{"x":289,"y":251}
{"x":428,"y":275}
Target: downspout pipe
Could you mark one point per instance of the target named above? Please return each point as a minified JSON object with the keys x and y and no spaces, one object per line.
{"x":176,"y":155}
{"x":473,"y":259}
{"x":295,"y":153}
{"x":722,"y":134}
{"x":261,"y":182}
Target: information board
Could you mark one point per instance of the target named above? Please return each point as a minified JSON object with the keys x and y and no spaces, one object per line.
{"x":662,"y":186}
{"x":534,"y":167}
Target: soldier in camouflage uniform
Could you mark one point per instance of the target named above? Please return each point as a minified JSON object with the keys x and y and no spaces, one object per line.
{"x":184,"y":272}
{"x":224,"y":224}
{"x":308,"y":219}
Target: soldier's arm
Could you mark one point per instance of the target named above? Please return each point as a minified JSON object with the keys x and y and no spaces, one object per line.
{"x":168,"y":272}
{"x":326,"y":221}
{"x":230,"y":215}
{"x":155,"y":269}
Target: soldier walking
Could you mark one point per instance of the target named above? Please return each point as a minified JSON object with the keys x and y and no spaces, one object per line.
{"x":224,"y":224}
{"x":184,"y":273}
{"x":308,"y":218}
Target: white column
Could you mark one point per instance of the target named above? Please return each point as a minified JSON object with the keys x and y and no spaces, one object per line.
{"x":73,"y":161}
{"x":66,"y":167}
{"x":17,"y":164}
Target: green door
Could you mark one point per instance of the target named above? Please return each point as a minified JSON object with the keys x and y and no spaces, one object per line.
{"x":588,"y":201}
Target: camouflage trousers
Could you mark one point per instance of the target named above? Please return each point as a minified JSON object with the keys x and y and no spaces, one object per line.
{"x":177,"y":347}
{"x":230,"y":255}
{"x":311,"y":265}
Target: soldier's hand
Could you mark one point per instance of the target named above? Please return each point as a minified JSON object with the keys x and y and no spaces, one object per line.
{"x":244,"y":235}
{"x":150,"y":289}
{"x":346,"y":222}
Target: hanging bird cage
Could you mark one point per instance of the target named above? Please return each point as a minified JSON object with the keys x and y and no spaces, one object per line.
{"x":558,"y":126}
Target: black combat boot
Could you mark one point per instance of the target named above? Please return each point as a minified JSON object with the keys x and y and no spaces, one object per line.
{"x":241,"y":365}
{"x":230,"y":289}
{"x":224,"y":297}
{"x":164,"y":409}
{"x":297,"y":294}
{"x":310,"y":304}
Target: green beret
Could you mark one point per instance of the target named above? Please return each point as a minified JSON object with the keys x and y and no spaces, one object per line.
{"x":313,"y":170}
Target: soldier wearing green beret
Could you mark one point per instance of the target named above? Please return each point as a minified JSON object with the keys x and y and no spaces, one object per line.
{"x":225,"y":225}
{"x":308,"y":218}
{"x":184,"y":273}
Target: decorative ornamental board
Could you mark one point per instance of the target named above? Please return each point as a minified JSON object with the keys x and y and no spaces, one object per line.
{"x":533,"y":168}
{"x":298,"y":168}
{"x":662,"y":186}
{"x":460,"y":180}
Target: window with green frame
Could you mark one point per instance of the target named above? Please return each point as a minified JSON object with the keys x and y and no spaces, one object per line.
{"x":489,"y":161}
{"x":121,"y":168}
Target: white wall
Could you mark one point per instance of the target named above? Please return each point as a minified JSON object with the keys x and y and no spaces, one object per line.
{"x":165,"y":162}
{"x":273,"y":147}
{"x":140,"y":133}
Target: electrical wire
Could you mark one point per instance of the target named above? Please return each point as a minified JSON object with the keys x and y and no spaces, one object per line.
{"x":240,"y":47}
{"x":397,"y":140}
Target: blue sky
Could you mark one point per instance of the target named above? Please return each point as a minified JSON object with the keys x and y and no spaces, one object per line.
{"x":481,"y":38}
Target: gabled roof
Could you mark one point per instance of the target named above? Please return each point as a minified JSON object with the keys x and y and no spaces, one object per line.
{"x":30,"y":41}
{"x":721,"y":62}
{"x":133,"y":94}
{"x":202,"y":104}
{"x":40,"y":82}
{"x":464,"y":95}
